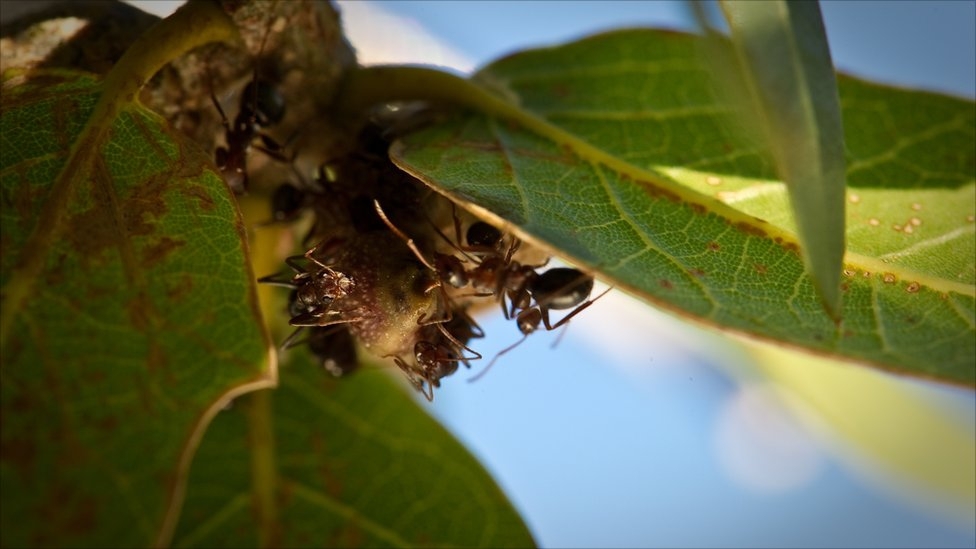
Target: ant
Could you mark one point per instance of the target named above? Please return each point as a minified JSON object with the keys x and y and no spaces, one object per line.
{"x":441,"y":342}
{"x":440,"y":348}
{"x":315,"y":290}
{"x":530,"y":295}
{"x":558,"y":288}
{"x":261,"y":106}
{"x":335,"y":348}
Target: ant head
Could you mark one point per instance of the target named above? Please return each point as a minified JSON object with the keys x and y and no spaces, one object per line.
{"x":528,"y":320}
{"x":436,"y":360}
{"x":264,"y":102}
{"x":482,"y":234}
{"x":561,"y":288}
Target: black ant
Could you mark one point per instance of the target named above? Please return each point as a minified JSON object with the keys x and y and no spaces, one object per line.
{"x":558,"y":288}
{"x":442,"y":341}
{"x":315,"y":290}
{"x":261,"y":106}
{"x":335,"y":347}
{"x":439,"y":351}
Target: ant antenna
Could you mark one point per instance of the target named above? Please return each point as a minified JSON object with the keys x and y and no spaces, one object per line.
{"x":479,"y":375}
{"x":409,"y":241}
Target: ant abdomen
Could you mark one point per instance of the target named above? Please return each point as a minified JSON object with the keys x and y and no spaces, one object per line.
{"x":287,"y":202}
{"x":481,"y":234}
{"x":561,"y":288}
{"x":336,"y":348}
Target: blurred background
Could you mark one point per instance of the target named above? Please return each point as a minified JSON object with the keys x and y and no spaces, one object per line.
{"x":640,"y":429}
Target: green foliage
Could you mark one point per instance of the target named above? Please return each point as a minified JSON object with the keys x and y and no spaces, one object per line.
{"x":716,"y":241}
{"x":136,"y":317}
{"x":130,"y":317}
{"x":355,"y":463}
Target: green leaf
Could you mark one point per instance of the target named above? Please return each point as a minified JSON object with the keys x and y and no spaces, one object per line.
{"x":129,"y":315}
{"x":634,"y":169}
{"x":781,"y":48}
{"x":340,"y":462}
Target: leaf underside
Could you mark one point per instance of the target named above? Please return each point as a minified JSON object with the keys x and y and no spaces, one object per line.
{"x":717,"y":243}
{"x":383,"y":474}
{"x":138,"y":318}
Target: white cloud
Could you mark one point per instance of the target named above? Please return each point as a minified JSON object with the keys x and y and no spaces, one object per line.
{"x":381,"y":37}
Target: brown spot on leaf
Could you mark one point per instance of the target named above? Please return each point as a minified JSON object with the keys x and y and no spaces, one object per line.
{"x":760,"y":268}
{"x":750,"y":229}
{"x":713,"y":246}
{"x":181,"y":289}
{"x":156,"y":359}
{"x":64,"y":513}
{"x":889,"y":278}
{"x":666,"y":284}
{"x":19,"y":452}
{"x":696,"y":272}
{"x":157,"y":252}
{"x":143,"y":206}
{"x":139,"y":311}
{"x":913,"y":287}
{"x":204,"y":201}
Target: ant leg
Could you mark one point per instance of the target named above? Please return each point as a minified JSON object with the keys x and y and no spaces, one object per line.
{"x":414,"y":379}
{"x":288,"y":342}
{"x":480,"y":374}
{"x":559,"y":338}
{"x":457,"y":342}
{"x":409,"y":241}
{"x":213,"y":98}
{"x":576,"y":311}
{"x":311,"y":320}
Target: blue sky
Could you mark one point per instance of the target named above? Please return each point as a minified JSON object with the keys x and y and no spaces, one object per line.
{"x":627,"y":434}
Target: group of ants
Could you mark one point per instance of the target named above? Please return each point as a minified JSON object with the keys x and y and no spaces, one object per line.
{"x":362,"y":203}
